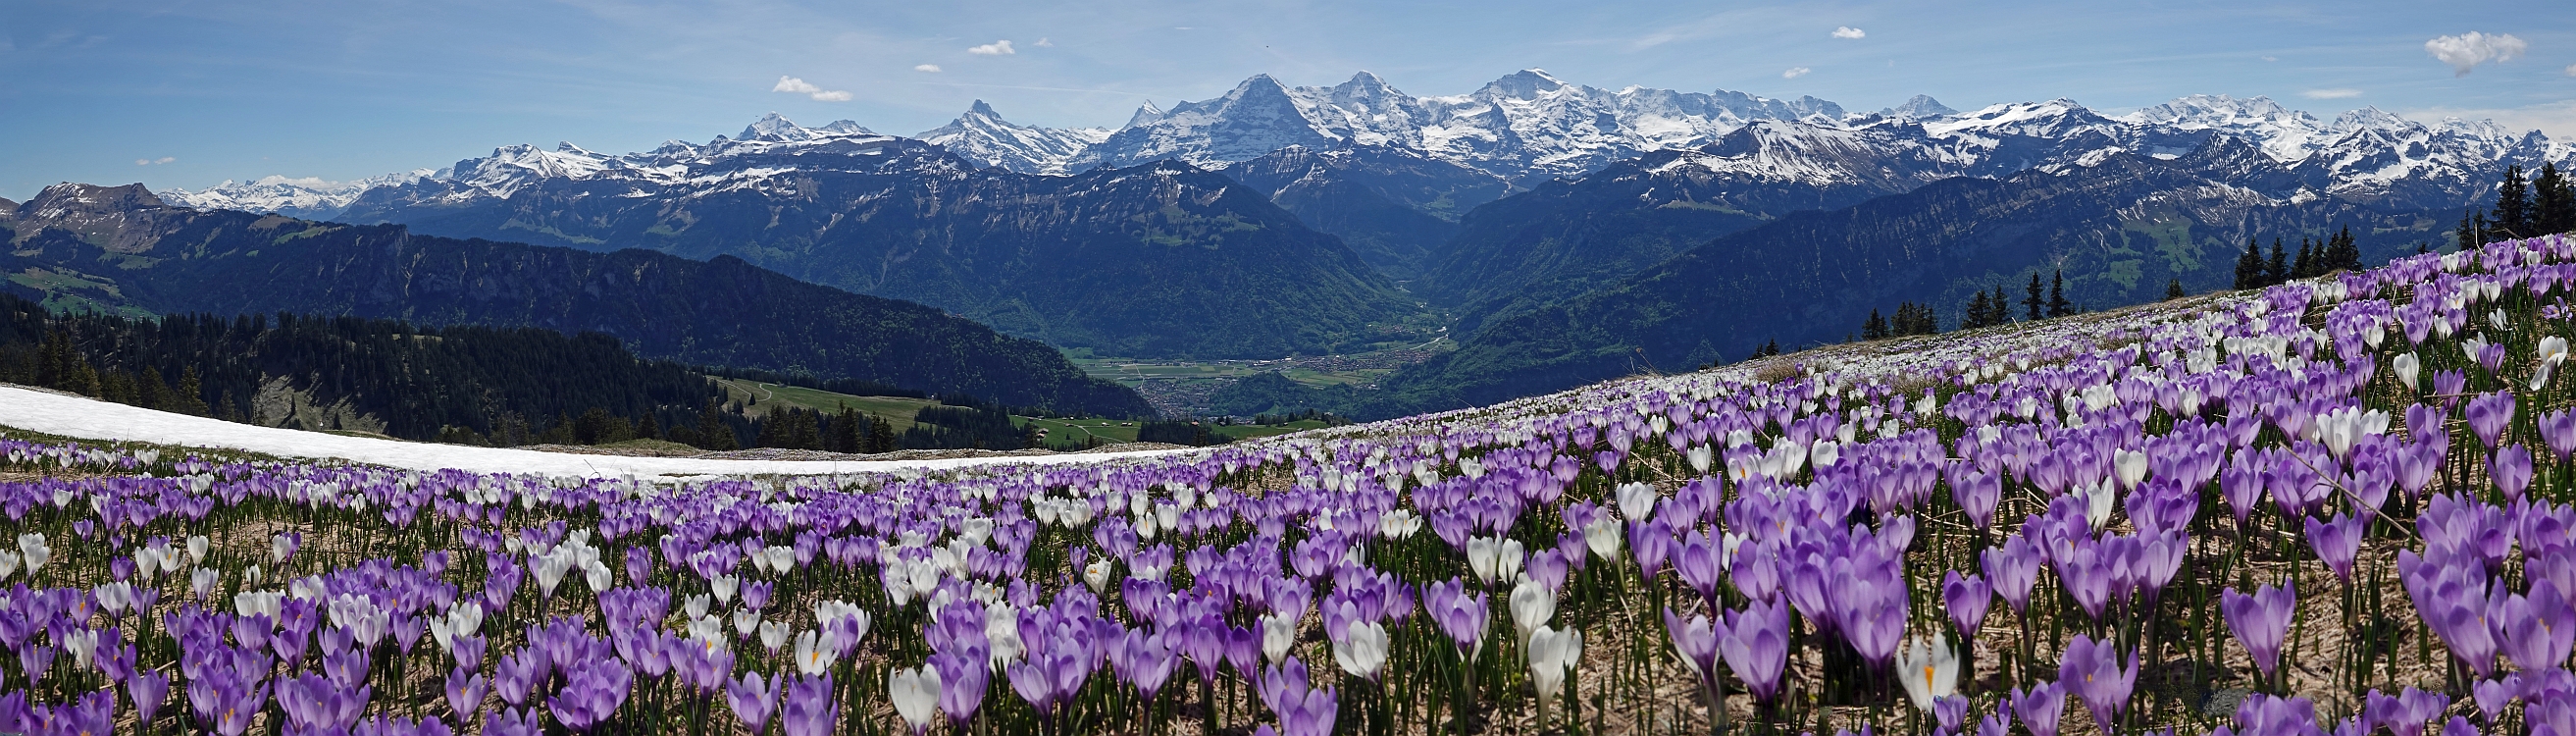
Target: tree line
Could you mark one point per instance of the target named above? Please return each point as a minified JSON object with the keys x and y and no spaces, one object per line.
{"x":2523,"y":209}
{"x":2316,"y":258}
{"x":1989,"y":308}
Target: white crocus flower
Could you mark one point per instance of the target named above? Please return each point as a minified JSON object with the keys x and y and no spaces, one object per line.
{"x":1531,"y":606}
{"x":1930,"y":670}
{"x":2407,"y":366}
{"x":1552,"y":654}
{"x":2553,"y":351}
{"x":915,"y":693}
{"x":1362,"y":649}
{"x":33,"y":550}
{"x":1278,"y":634}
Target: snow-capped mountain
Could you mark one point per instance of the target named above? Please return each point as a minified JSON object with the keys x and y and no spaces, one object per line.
{"x":1526,"y":127}
{"x":982,"y":136}
{"x":308,"y":198}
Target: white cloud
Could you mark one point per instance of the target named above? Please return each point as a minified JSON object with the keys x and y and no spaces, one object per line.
{"x":1043,"y":43}
{"x":1849,"y":32}
{"x":2331,"y":94}
{"x":793,"y":85}
{"x":926,"y":68}
{"x":2466,"y":51}
{"x":996,"y":48}
{"x":2271,"y":58}
{"x":1795,"y":72}
{"x":151,"y":161}
{"x":2571,"y":70}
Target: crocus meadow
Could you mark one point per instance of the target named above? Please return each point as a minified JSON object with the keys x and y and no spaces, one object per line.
{"x":2338,"y":505}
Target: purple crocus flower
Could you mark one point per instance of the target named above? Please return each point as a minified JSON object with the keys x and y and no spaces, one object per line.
{"x":514,"y":722}
{"x":591,"y":692}
{"x":1697,"y":640}
{"x":465,"y":689}
{"x":963,"y":675}
{"x":2536,"y":631}
{"x":1756,"y":647}
{"x":2095,"y":673}
{"x":2337,"y":542}
{"x":2261,"y":621}
{"x":2014,"y":568}
{"x":148,"y":689}
{"x":1464,"y":618}
{"x":810,"y":709}
{"x":2039,"y":708}
{"x":1967,"y":599}
{"x":753,"y":699}
{"x":2489,"y":414}
{"x":2511,"y":470}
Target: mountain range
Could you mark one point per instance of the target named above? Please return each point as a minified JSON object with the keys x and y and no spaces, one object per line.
{"x":121,"y":250}
{"x":1311,"y":219}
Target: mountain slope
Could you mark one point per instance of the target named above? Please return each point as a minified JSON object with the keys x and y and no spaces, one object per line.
{"x":1157,"y":260}
{"x":119,"y":248}
{"x":982,"y":136}
{"x":2120,"y":227}
{"x":1392,"y":206}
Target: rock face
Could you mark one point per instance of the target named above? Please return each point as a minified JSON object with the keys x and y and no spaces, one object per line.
{"x":118,"y":248}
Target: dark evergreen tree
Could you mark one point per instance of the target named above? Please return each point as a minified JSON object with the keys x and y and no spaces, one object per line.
{"x":1875,"y":328}
{"x":1976,"y":315}
{"x":2002,"y":306}
{"x":2306,"y":265}
{"x":2173,"y":289}
{"x":2512,"y":216}
{"x":2471,"y":232}
{"x":2278,"y":270}
{"x":880,"y":434}
{"x":2553,"y":201}
{"x":2057,"y":304}
{"x":2031,"y":303}
{"x":2249,"y":266}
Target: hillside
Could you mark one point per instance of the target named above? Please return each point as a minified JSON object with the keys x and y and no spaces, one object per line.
{"x":1158,"y":260}
{"x":119,"y":249}
{"x":2117,"y":228}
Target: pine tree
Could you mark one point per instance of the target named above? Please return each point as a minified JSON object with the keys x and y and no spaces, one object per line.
{"x":2553,"y":201}
{"x":2031,"y":303}
{"x":1976,"y":312}
{"x":2249,"y":266}
{"x":192,"y":392}
{"x":1875,"y":328}
{"x":712,"y":432}
{"x":846,"y":432}
{"x":2173,"y":289}
{"x":2344,"y":252}
{"x":2306,"y":265}
{"x":2513,"y":206}
{"x":651,"y":428}
{"x":2278,"y":271}
{"x":2470,"y":234}
{"x":2057,"y":304}
{"x":880,"y":434}
{"x":2002,"y":306}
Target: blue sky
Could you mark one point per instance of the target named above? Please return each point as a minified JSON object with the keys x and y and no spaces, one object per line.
{"x":207,"y":90}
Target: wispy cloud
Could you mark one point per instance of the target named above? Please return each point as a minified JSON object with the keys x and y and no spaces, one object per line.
{"x":2271,"y":58}
{"x":996,"y":48}
{"x":926,"y":68}
{"x":2571,"y":70}
{"x":793,"y":85}
{"x":1849,"y":32}
{"x":2335,"y":93}
{"x":2466,"y":51}
{"x":1795,"y":72}
{"x":1043,"y":43}
{"x":152,"y":161}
